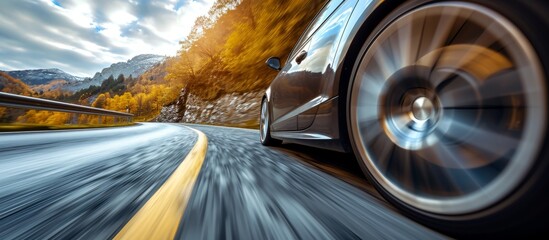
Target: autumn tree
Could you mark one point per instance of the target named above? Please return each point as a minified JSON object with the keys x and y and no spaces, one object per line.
{"x":100,"y":101}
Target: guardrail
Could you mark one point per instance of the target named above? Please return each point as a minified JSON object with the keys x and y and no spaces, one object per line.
{"x":18,"y":101}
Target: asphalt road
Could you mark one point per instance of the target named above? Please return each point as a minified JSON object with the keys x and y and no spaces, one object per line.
{"x":83,"y":184}
{"x":248,"y":191}
{"x":88,"y":184}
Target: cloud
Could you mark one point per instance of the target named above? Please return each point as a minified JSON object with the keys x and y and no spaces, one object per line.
{"x":84,"y":36}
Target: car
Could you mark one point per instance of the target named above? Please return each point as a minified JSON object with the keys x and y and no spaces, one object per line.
{"x":443,"y":103}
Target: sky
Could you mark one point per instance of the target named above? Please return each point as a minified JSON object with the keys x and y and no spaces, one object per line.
{"x":82,"y":37}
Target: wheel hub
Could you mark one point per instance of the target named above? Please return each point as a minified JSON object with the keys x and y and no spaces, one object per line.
{"x":412,"y":108}
{"x":422,"y":110}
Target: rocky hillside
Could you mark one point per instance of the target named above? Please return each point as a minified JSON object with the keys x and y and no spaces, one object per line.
{"x":43,"y":76}
{"x":238,"y":110}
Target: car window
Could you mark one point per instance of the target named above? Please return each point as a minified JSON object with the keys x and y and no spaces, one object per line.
{"x":320,"y":18}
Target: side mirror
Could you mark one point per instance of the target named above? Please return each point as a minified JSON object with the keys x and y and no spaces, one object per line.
{"x":274,"y":63}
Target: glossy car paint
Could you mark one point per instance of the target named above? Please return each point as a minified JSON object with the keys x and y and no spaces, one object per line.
{"x":305,"y":96}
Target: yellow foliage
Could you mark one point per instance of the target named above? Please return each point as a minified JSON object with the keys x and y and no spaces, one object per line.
{"x":9,"y":84}
{"x":44,"y":117}
{"x":99,"y":101}
{"x":52,"y":90}
{"x":230,"y":56}
{"x":2,"y":111}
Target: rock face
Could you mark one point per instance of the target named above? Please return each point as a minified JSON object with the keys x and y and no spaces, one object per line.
{"x":43,"y":76}
{"x":135,"y":67}
{"x":240,"y":110}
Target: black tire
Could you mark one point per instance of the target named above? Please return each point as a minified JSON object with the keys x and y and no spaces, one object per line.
{"x":520,"y":210}
{"x":265,"y":125}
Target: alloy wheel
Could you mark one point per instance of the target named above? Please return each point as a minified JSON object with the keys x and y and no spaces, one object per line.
{"x":447,"y":108}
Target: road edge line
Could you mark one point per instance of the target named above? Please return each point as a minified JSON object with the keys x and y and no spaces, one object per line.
{"x":161,"y":215}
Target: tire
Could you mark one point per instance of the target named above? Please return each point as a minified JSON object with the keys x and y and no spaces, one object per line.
{"x":447,"y":115}
{"x":265,"y":125}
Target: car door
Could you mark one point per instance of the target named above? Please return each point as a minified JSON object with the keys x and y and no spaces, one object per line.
{"x":291,"y":87}
{"x":285,"y":94}
{"x":319,"y":70}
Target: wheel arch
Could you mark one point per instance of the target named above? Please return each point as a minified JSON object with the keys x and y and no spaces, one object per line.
{"x":360,"y":31}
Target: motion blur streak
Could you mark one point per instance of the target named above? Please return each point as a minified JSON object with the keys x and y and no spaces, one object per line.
{"x":248,"y":191}
{"x":84,"y":184}
{"x":160,"y":216}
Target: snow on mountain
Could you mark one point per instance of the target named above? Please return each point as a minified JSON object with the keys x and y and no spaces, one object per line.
{"x":43,"y":76}
{"x":135,"y":67}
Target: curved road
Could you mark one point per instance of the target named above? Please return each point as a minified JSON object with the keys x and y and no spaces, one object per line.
{"x":88,"y":184}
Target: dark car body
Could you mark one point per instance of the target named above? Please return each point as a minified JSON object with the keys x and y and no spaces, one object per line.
{"x":305,"y":96}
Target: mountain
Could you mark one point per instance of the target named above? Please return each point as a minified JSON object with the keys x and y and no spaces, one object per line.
{"x":43,"y":76}
{"x":135,"y":67}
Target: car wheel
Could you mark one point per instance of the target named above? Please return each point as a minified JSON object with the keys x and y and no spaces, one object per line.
{"x":265,"y":127}
{"x":447,"y":114}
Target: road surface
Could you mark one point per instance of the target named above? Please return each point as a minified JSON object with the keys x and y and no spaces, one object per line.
{"x":90,"y":184}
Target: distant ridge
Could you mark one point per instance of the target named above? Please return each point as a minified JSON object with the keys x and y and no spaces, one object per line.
{"x":135,"y":67}
{"x":43,"y":76}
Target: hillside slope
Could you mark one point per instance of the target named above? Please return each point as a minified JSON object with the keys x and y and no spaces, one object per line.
{"x":10,"y":84}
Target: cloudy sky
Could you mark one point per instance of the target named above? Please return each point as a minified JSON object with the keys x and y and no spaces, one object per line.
{"x":83,"y":36}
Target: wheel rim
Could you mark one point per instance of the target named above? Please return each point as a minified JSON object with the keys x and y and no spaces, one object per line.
{"x":448,"y":108}
{"x":264,"y":121}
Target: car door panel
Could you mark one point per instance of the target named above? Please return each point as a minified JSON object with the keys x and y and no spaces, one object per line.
{"x":319,"y":70}
{"x":300,"y":84}
{"x":286,"y":92}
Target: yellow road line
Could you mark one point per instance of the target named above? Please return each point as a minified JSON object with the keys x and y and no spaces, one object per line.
{"x":160,"y":217}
